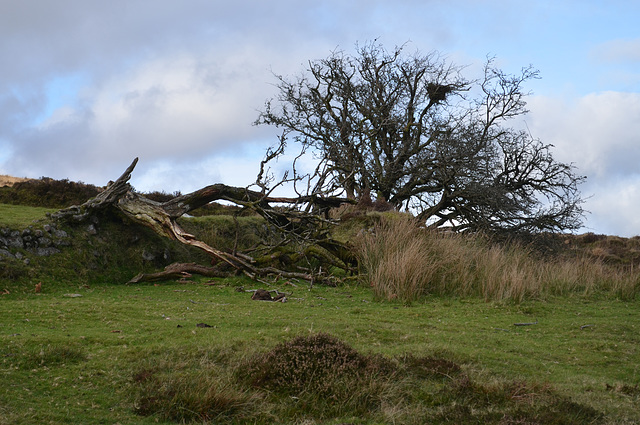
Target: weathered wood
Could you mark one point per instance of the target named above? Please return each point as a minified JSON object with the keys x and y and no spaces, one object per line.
{"x":178,"y":271}
{"x":105,"y":199}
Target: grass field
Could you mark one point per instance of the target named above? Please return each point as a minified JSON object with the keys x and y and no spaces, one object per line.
{"x":88,"y":349}
{"x":81,"y":354}
{"x":17,"y":216}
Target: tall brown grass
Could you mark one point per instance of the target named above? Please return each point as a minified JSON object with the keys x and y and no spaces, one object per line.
{"x":400,"y":259}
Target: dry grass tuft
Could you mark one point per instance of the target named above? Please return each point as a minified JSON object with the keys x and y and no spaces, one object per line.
{"x":191,"y":389}
{"x":404,"y":261}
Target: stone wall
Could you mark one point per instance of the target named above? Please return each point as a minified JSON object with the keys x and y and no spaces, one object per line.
{"x":41,"y":242}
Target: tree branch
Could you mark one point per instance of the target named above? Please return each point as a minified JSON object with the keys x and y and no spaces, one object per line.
{"x":161,"y":218}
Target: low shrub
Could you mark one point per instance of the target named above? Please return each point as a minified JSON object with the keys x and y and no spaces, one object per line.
{"x":317,"y":378}
{"x":48,"y":192}
{"x":312,"y":364}
{"x":324,"y":375}
{"x":509,"y":403}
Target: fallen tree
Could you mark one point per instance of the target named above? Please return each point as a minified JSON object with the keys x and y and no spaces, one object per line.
{"x":303,"y":220}
{"x":177,"y":271}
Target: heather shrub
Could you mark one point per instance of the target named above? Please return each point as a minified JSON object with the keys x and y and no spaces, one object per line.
{"x":316,"y":364}
{"x":325,"y":376}
{"x":48,"y":192}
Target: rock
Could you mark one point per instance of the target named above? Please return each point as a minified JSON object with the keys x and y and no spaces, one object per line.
{"x":61,"y":242}
{"x":60,"y":234}
{"x":45,"y":252}
{"x":91,"y":229}
{"x":15,"y":241}
{"x":44,"y":242}
{"x":38,"y":242}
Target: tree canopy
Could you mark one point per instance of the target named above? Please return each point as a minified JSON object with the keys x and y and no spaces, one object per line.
{"x":410,"y":129}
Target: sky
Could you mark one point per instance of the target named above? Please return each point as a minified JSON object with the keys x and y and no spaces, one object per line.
{"x":86,"y":86}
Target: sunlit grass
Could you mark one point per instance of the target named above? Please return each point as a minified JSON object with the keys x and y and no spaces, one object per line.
{"x":18,"y":216}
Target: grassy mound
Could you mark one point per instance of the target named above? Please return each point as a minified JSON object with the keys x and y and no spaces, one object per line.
{"x":316,"y":378}
{"x":106,"y":250}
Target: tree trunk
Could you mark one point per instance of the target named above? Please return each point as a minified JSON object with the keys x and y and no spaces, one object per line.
{"x":161,"y":218}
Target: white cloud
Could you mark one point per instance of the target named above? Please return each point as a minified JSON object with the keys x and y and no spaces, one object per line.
{"x":620,"y":50}
{"x":600,"y":134}
{"x":179,"y":107}
{"x":614,"y":207}
{"x":171,"y":108}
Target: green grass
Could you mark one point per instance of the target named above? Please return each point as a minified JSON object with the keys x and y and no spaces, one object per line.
{"x":134,"y":354}
{"x":18,"y":216}
{"x":226,"y":232}
{"x":108,"y":355}
{"x":113,"y":254}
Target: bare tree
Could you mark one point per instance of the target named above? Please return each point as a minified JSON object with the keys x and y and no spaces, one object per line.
{"x":411,"y":130}
{"x":408,"y":129}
